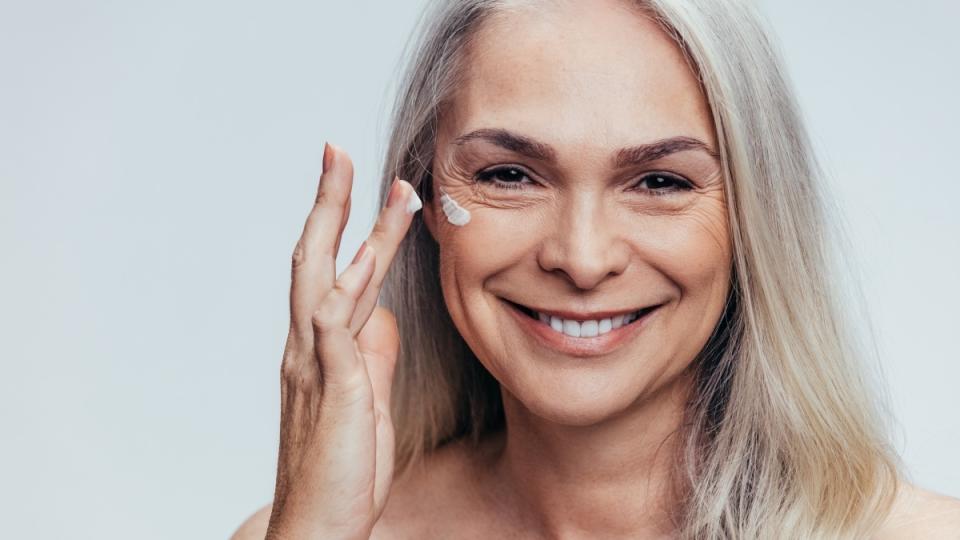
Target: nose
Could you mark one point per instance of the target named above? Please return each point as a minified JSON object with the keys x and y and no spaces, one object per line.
{"x":585,"y":245}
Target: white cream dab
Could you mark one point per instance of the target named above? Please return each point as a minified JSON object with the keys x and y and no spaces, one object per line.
{"x":456,"y":214}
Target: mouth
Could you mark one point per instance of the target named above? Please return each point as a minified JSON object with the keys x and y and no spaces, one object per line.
{"x":600,"y":334}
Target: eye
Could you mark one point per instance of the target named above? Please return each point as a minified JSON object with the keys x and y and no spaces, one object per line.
{"x":504,"y":177}
{"x":660,"y":184}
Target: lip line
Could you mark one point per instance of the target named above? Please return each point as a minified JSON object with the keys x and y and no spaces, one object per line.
{"x":591,"y":316}
{"x":599,"y":345}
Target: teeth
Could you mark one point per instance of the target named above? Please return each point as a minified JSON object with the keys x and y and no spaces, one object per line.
{"x":556,"y":323}
{"x":571,"y":328}
{"x":605,"y":326}
{"x":588,"y":328}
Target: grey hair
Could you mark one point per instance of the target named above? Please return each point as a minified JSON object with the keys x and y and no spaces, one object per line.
{"x":785,"y":437}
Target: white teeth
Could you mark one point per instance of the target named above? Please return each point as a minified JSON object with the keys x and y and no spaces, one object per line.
{"x":571,"y":328}
{"x":605,"y":326}
{"x":589,"y":328}
{"x":556,"y":323}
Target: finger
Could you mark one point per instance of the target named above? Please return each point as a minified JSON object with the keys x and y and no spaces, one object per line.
{"x":391,"y":226}
{"x":333,"y":341}
{"x":343,"y":223}
{"x":314,"y":260}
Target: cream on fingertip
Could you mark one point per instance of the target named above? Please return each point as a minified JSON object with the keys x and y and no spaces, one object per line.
{"x":413,"y":202}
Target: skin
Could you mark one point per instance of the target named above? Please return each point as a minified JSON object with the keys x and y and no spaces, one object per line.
{"x":585,"y":236}
{"x":590,"y":439}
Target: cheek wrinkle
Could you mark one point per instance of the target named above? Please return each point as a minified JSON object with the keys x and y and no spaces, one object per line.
{"x":456,"y":214}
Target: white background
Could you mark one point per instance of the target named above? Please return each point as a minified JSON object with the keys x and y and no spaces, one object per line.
{"x":157,"y":161}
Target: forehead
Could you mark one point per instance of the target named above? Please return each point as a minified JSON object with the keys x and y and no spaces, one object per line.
{"x":597,"y":72}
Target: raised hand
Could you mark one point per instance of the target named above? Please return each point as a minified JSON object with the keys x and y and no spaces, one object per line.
{"x":335,"y":464}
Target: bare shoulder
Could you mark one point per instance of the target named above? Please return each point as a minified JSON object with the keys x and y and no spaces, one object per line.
{"x":920,"y":513}
{"x":255,"y":527}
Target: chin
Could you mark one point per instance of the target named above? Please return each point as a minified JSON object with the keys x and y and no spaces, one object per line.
{"x":575,"y":413}
{"x":578,"y":404}
{"x":573,"y":397}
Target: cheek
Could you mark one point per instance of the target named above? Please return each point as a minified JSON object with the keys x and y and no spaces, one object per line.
{"x":491,"y":244}
{"x":490,"y":247}
{"x":690,"y":247}
{"x":692,"y":251}
{"x":493,"y":240}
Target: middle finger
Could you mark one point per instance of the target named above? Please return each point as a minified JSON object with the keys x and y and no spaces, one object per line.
{"x":314,"y":265}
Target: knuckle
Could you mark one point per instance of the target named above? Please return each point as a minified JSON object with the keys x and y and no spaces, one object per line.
{"x":328,"y":313}
{"x":299,"y":254}
{"x":306,"y":382}
{"x":321,"y":317}
{"x":290,"y":368}
{"x":380,"y":230}
{"x":341,"y":295}
{"x":323,"y":198}
{"x":332,"y":196}
{"x":295,"y":372}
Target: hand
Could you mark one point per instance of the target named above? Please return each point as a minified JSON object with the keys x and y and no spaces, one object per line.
{"x":336,"y":456}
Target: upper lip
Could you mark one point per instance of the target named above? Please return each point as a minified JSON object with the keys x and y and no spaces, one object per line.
{"x":582,"y":315}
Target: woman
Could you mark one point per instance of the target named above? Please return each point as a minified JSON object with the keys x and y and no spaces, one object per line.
{"x":615,"y":316}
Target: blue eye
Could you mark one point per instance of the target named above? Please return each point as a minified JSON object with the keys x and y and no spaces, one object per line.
{"x":504,"y":177}
{"x":660,"y":184}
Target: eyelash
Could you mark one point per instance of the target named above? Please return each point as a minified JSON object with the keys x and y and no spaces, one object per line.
{"x":489,"y":176}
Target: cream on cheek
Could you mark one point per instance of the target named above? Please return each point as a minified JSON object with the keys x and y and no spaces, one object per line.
{"x":456,"y":214}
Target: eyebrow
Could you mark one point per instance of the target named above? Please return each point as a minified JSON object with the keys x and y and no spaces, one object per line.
{"x":633,"y":155}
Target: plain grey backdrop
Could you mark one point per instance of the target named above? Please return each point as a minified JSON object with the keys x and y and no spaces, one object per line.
{"x":157,"y":160}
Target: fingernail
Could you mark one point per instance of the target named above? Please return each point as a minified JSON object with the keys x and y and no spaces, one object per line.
{"x":327,"y":156}
{"x":360,"y":252}
{"x":413,"y":201}
{"x":394,"y":192}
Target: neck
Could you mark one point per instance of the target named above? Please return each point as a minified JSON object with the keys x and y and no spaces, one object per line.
{"x":609,"y":478}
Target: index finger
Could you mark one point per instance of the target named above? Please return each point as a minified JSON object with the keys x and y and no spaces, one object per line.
{"x":391,"y":226}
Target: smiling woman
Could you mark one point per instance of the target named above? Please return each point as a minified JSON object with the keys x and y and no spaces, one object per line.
{"x":632,"y":326}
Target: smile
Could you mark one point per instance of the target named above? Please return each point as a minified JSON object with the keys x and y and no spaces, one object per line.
{"x":580,"y":334}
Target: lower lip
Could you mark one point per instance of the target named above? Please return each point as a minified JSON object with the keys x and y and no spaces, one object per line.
{"x":590,"y":346}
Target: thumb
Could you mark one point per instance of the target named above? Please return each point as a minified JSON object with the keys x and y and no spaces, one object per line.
{"x":379,"y":344}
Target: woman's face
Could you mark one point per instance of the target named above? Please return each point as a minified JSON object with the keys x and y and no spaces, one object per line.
{"x":584,"y":150}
